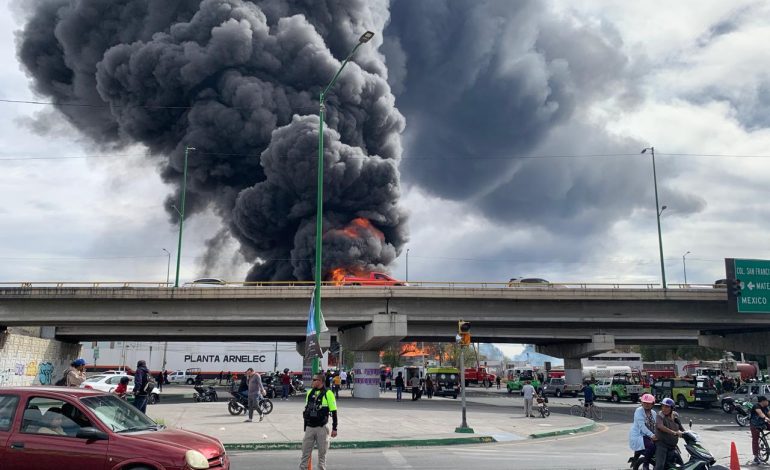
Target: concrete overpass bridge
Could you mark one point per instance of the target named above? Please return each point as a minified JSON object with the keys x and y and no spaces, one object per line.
{"x":563,"y":322}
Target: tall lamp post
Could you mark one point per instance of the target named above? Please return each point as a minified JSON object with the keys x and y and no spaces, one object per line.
{"x":181,"y":215}
{"x":168,"y":266}
{"x":319,"y":195}
{"x":658,"y":211}
{"x":684,"y":266}
{"x":407,"y":265}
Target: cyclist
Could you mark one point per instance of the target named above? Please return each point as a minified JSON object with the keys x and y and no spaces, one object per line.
{"x":760,"y":417}
{"x":588,"y":395}
{"x":641,"y":437}
{"x":668,"y":428}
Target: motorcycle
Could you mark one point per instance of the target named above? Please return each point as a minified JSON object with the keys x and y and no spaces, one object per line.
{"x":209,"y":394}
{"x":743,"y":413}
{"x":239,"y":403}
{"x":542,"y":407}
{"x":700,"y":458}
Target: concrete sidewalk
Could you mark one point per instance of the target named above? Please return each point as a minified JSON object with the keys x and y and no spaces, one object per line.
{"x":371,"y":423}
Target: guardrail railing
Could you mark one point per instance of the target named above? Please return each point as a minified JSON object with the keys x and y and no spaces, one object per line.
{"x":432,"y":284}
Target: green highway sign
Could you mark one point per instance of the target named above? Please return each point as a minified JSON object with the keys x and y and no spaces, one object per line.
{"x":753,"y":281}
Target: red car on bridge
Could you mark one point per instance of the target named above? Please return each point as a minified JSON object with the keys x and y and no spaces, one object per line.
{"x":372,"y":279}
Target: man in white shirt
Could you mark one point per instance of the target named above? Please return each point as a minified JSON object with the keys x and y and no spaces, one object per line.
{"x":344,"y":377}
{"x":529,"y":394}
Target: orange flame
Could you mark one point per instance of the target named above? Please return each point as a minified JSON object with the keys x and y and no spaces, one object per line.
{"x":358,"y":227}
{"x":411,"y":350}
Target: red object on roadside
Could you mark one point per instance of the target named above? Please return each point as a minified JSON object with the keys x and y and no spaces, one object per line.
{"x":735,"y":464}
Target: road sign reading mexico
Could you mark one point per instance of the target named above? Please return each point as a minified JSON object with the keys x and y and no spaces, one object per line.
{"x":754,"y":277}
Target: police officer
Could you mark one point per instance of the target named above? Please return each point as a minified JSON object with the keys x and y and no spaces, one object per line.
{"x":319,"y":404}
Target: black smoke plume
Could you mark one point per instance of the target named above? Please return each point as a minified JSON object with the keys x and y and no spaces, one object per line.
{"x":239,"y":81}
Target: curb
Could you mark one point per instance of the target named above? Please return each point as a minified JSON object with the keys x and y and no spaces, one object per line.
{"x":251,"y":446}
{"x":561,"y":432}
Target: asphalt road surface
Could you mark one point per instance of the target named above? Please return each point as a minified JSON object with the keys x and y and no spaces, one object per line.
{"x":604,"y":448}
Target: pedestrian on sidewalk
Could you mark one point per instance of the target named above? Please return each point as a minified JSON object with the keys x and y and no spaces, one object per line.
{"x":159,"y":379}
{"x":399,"y":386}
{"x":429,"y":387}
{"x":344,"y":377}
{"x":351,"y":377}
{"x":383,"y":376}
{"x":529,"y":394}
{"x":285,"y":384}
{"x":497,"y":381}
{"x":221,"y":376}
{"x":336,"y":384}
{"x":76,"y":374}
{"x":142,"y":388}
{"x":414,"y":382}
{"x":319,"y":404}
{"x":256,"y":391}
{"x":165,"y":377}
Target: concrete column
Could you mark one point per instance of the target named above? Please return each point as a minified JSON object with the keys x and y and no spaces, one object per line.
{"x":366,"y":370}
{"x":573,"y":370}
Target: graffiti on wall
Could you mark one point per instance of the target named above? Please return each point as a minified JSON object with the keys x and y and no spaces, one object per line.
{"x":5,"y":376}
{"x":45,"y":373}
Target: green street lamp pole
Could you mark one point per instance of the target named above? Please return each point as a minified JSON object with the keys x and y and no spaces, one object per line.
{"x":181,"y":215}
{"x":319,"y":202}
{"x":658,"y":211}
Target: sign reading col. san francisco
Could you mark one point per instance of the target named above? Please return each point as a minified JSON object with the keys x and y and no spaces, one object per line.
{"x":753,"y":277}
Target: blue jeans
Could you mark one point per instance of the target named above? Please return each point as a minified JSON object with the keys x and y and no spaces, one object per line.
{"x":398,"y":392}
{"x":285,"y":393}
{"x":140,"y":403}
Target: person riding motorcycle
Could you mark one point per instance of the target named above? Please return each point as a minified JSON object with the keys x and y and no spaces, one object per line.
{"x":668,"y":429}
{"x":641,"y":436}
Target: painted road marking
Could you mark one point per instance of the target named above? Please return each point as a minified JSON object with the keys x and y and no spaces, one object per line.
{"x":396,"y":459}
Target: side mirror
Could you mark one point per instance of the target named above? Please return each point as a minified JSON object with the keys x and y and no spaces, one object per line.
{"x":91,"y":434}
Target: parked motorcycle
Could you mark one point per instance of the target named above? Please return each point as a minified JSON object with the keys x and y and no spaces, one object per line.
{"x":208,"y":394}
{"x":239,"y":403}
{"x":743,"y":413}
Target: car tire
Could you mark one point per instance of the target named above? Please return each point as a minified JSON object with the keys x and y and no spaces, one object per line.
{"x":190,"y":381}
{"x":454,"y":397}
{"x":728,"y":406}
{"x":558,"y":393}
{"x":615,"y":398}
{"x":681,"y":401}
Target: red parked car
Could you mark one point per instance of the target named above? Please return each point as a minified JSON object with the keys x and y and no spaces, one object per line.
{"x":76,"y":429}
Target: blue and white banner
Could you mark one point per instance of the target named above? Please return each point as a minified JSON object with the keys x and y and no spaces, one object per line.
{"x":312,"y":346}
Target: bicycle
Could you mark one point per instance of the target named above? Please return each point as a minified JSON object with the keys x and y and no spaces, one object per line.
{"x":592,"y":411}
{"x":764,"y":448}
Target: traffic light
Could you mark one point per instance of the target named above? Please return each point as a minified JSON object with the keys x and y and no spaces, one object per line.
{"x":464,"y":332}
{"x":735,"y":287}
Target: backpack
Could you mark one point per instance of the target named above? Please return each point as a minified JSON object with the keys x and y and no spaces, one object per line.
{"x":62,"y":381}
{"x":149,"y":384}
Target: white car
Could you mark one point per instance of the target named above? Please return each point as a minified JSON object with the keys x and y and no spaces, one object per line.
{"x":109,"y":382}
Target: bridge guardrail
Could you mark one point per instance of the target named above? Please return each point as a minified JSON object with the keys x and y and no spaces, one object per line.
{"x":304,"y":284}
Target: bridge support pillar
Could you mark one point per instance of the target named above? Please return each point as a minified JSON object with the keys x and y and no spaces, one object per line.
{"x":366,"y":374}
{"x":750,"y":343}
{"x":572,"y":352}
{"x":573,"y":370}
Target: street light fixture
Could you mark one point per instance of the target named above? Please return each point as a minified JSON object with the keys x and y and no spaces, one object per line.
{"x":684,"y":266}
{"x":181,"y":215}
{"x":168,"y":265}
{"x":319,"y":194}
{"x":658,"y":211}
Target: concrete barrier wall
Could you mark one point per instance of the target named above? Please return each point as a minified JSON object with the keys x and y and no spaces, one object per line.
{"x":31,"y":360}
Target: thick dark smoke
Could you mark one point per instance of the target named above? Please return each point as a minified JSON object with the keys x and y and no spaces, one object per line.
{"x":239,"y":81}
{"x":484,"y":81}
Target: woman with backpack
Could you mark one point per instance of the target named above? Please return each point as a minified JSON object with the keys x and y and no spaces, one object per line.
{"x":76,"y":374}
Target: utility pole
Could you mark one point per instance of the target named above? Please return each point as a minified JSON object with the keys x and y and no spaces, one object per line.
{"x":181,"y":215}
{"x":275,"y":361}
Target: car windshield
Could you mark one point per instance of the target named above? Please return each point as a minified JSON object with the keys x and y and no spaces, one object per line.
{"x":117,"y":414}
{"x":95,"y":378}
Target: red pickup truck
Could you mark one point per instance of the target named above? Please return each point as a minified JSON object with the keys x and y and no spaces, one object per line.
{"x":479,"y":376}
{"x":372,"y":279}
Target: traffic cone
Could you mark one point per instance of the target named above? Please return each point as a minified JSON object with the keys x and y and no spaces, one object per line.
{"x":734,"y":463}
